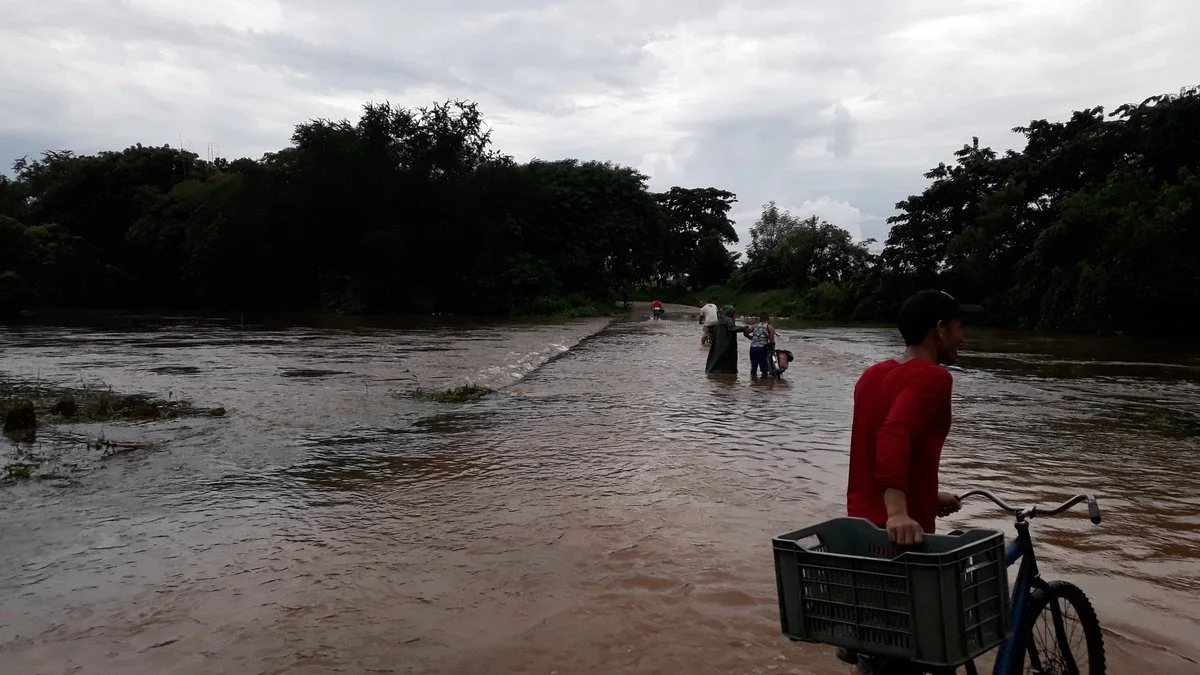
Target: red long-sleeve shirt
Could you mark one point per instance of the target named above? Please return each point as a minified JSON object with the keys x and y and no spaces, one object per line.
{"x":901,"y":419}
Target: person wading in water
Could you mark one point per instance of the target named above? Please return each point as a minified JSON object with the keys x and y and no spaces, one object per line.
{"x":901,"y":419}
{"x":761,"y":334}
{"x":708,"y":319}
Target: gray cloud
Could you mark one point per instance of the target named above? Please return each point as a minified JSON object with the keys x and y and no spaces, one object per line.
{"x":841,"y":144}
{"x":834,"y":107}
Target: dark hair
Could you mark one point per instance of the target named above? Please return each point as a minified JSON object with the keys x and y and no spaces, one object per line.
{"x":922,"y":312}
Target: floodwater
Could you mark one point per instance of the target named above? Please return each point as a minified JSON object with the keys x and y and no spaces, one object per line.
{"x":609,"y":509}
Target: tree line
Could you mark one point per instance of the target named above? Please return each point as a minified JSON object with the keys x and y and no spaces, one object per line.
{"x":407,"y":210}
{"x":1092,"y":226}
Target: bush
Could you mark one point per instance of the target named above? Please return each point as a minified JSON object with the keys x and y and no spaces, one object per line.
{"x":15,"y":294}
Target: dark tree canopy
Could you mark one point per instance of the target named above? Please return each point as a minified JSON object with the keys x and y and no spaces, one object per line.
{"x":1093,"y":226}
{"x":407,"y":210}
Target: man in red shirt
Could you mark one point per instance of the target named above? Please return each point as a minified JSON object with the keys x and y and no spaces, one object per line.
{"x":901,"y":418}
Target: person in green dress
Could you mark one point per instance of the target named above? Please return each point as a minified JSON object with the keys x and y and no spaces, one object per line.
{"x":723,"y":348}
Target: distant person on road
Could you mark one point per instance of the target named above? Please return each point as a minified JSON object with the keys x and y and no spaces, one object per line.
{"x":708,"y":319}
{"x":760,"y":335}
{"x":656,"y":310}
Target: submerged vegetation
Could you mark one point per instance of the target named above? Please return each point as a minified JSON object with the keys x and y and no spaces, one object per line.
{"x":27,"y":408}
{"x":467,"y":393}
{"x":25,"y":405}
{"x":1093,"y":226}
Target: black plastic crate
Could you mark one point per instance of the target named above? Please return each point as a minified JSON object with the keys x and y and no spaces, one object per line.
{"x":843,"y":583}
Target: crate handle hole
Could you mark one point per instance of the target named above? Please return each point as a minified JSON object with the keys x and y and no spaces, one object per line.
{"x":810,"y":542}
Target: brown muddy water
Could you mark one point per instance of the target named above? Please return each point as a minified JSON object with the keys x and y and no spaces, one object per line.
{"x":609,"y":510}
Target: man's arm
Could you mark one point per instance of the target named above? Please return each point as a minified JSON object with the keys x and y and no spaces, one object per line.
{"x":896,"y":502}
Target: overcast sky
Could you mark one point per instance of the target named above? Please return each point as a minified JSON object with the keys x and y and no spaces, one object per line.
{"x":834,"y":108}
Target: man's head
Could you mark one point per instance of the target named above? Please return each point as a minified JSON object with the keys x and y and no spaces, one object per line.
{"x":764,"y":318}
{"x":932,"y":319}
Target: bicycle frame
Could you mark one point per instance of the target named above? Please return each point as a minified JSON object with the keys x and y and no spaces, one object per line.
{"x":1028,"y":578}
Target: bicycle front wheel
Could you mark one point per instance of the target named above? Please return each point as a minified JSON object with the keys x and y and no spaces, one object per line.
{"x":1060,"y":634}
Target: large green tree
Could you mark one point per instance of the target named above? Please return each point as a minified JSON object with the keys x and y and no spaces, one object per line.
{"x":1091,"y":226}
{"x":405,"y":210}
{"x":790,"y":252}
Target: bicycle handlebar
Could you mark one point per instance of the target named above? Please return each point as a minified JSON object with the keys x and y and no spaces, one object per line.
{"x":1034,"y":511}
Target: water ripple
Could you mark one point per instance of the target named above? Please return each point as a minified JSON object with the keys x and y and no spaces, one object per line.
{"x":607,"y":510}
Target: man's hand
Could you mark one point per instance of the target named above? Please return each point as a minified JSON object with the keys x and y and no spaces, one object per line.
{"x":904,"y":531}
{"x":947,"y":504}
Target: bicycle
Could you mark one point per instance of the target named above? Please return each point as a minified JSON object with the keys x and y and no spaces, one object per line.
{"x":1032,"y":595}
{"x":857,"y":591}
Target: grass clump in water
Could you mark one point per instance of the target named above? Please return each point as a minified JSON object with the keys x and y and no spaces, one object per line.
{"x":467,"y":393}
{"x":27,"y":406}
{"x":19,"y":471}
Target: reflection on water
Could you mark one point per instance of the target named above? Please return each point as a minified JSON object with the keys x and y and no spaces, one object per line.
{"x":608,"y":510}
